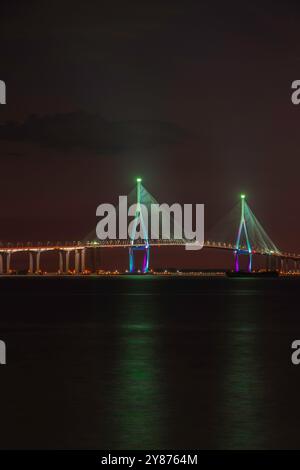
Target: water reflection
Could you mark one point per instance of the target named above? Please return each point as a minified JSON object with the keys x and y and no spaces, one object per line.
{"x":242,"y":423}
{"x":138,"y":395}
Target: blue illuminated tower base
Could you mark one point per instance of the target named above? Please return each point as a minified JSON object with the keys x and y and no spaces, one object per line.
{"x":145,"y":266}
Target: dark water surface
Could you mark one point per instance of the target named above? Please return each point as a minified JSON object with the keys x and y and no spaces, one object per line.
{"x":149,"y":362}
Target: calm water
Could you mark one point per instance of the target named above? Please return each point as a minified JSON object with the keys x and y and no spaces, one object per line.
{"x":149,"y":362}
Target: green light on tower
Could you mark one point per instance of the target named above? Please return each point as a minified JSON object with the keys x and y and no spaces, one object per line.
{"x":139,"y":180}
{"x":243,"y":196}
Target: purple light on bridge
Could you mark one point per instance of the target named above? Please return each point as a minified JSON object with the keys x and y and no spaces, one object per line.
{"x":236,"y":264}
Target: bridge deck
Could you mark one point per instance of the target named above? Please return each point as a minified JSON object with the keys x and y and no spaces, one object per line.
{"x":80,"y":245}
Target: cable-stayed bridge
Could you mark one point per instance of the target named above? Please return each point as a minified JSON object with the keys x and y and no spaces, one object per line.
{"x":240,"y":233}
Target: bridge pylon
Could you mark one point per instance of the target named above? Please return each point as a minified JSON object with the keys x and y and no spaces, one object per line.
{"x":138,"y":219}
{"x":239,"y":249}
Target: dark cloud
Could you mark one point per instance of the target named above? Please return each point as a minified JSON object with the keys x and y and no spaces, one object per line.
{"x":82,"y":130}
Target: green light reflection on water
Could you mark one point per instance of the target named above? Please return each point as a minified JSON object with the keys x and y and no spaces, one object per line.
{"x":138,"y":399}
{"x":242,"y":415}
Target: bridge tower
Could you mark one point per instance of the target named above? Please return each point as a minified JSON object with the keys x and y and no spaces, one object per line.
{"x":239,"y":249}
{"x":138,"y":218}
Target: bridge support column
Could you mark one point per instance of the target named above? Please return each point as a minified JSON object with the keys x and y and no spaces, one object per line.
{"x":286,"y":265}
{"x":94,"y":256}
{"x":146,"y":258}
{"x":77,"y":261}
{"x":295,"y":265}
{"x":38,"y":259}
{"x":83,"y":260}
{"x":271,"y":263}
{"x":67,"y":261}
{"x":30,"y":268}
{"x":60,"y":262}
{"x":1,"y":263}
{"x":8,"y":260}
{"x":237,"y":262}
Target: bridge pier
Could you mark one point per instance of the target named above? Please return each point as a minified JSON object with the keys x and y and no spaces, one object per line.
{"x":294,"y":265}
{"x":67,"y":261}
{"x":30,"y":268}
{"x":284,"y":265}
{"x":83,"y":260}
{"x":1,"y":263}
{"x":237,"y":253}
{"x":38,"y":260}
{"x":60,"y":262}
{"x":146,"y":258}
{"x":92,"y":255}
{"x":271,"y":263}
{"x":8,"y":260}
{"x":77,"y":261}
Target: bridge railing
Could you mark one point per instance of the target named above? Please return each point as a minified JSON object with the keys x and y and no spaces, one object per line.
{"x":64,"y":245}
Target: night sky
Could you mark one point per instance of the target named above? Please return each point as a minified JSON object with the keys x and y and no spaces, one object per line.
{"x":194,"y":96}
